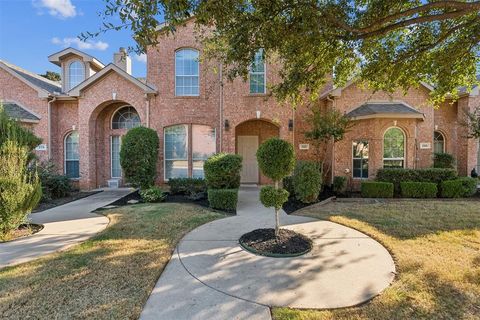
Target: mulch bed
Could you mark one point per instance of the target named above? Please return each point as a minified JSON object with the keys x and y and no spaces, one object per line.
{"x":24,"y":230}
{"x":288,"y":244}
{"x":293,"y":204}
{"x":76,"y":195}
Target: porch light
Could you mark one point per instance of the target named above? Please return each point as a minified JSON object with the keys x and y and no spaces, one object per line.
{"x":259,"y":113}
{"x":290,"y":125}
{"x":226,"y":125}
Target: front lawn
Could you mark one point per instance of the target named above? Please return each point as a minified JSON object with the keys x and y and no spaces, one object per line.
{"x":436,"y":247}
{"x":107,"y":277}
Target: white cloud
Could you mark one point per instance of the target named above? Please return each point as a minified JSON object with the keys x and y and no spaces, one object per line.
{"x":57,"y":8}
{"x":141,"y":57}
{"x":81,"y":45}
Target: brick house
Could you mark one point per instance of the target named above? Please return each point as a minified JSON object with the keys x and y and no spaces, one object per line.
{"x":82,"y":119}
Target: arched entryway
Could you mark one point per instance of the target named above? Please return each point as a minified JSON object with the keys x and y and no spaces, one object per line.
{"x":248,"y":136}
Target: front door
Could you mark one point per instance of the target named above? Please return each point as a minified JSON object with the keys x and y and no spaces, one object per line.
{"x":247,"y":148}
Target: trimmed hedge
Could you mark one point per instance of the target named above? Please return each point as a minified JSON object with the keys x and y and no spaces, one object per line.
{"x":419,"y":189}
{"x":187,"y":185}
{"x":443,"y":160}
{"x":374,"y":189}
{"x":153,"y":194}
{"x":307,"y":181}
{"x":271,"y":197}
{"x":396,"y":176}
{"x":276,"y":158}
{"x":459,"y":188}
{"x":339,"y":184}
{"x":222,"y":171}
{"x":224,"y":199}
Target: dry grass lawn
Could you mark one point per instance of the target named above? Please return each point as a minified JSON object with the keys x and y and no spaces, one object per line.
{"x":436,"y":246}
{"x":107,"y":277}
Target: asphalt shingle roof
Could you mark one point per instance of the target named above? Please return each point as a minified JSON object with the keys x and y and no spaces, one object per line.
{"x":368,"y":109}
{"x":35,"y":79}
{"x":14,"y":111}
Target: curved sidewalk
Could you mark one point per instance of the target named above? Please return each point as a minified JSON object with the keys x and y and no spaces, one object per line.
{"x":64,"y":226}
{"x":211,"y":277}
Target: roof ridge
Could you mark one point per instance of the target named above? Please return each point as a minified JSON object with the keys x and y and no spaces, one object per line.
{"x":37,"y":76}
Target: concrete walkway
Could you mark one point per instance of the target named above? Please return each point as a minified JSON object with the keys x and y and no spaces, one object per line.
{"x":64,"y":226}
{"x":211,"y":277}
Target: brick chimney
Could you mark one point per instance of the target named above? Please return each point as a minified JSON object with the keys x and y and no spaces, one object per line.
{"x":122,"y":60}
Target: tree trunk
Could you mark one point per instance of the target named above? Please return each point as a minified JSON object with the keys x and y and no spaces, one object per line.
{"x":277,"y":219}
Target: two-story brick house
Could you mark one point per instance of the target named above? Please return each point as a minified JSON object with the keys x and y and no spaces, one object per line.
{"x":82,"y":119}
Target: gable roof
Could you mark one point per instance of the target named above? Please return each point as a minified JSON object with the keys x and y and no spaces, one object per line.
{"x":371,"y":110}
{"x":56,"y":57}
{"x":20,"y":113}
{"x":42,"y":85}
{"x":75,"y":91}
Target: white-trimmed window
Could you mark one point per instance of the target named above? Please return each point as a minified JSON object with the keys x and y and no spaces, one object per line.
{"x":72,"y":157}
{"x":360,"y":159}
{"x":438,"y":142}
{"x":257,"y":74}
{"x":116,"y":169}
{"x":125,"y":118}
{"x":184,"y":160}
{"x":76,"y":73}
{"x":394,"y":148}
{"x":186,"y":72}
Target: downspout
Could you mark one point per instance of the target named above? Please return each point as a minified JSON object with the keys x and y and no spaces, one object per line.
{"x":220,"y":107}
{"x":332,"y":167}
{"x":49,"y":127}
{"x":148,"y":110}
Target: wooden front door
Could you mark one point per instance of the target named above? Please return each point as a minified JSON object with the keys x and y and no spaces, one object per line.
{"x":247,"y":148}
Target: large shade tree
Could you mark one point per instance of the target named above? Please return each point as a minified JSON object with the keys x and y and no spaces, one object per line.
{"x":385,"y":44}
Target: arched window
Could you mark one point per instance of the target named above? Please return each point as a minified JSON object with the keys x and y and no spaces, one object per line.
{"x":125,"y":118}
{"x":394,"y":148}
{"x":76,"y":73}
{"x":257,"y":74}
{"x":186,"y":72}
{"x":72,"y":168}
{"x":438,"y":142}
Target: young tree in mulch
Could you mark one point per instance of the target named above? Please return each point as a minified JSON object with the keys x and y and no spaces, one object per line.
{"x":138,"y":156}
{"x":276,"y":160}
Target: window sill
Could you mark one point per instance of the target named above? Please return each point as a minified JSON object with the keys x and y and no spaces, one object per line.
{"x":74,"y":179}
{"x":258,"y":95}
{"x":186,"y":97}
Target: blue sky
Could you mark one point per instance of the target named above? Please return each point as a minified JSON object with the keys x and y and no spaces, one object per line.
{"x":31,"y":30}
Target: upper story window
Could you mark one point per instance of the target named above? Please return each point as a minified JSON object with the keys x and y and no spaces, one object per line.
{"x":125,"y":118}
{"x":394,"y":148}
{"x":76,"y":73}
{"x":438,"y":142}
{"x":186,"y":72}
{"x":72,"y":156}
{"x":257,"y":74}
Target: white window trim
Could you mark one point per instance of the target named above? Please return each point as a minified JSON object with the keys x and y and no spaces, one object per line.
{"x":111,"y":155}
{"x":444,"y":141}
{"x":353,"y":158}
{"x":65,"y":155}
{"x":69,"y":83}
{"x":175,"y":73}
{"x":118,"y":109}
{"x":258,"y":73}
{"x":165,"y":152}
{"x":404,"y":148}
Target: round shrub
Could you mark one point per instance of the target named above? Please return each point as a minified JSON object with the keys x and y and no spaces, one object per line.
{"x":276,"y":158}
{"x":307,"y":181}
{"x":443,"y":160}
{"x":271,"y":197}
{"x":222,"y":171}
{"x":153,"y":194}
{"x":223,"y":199}
{"x":139,"y":155}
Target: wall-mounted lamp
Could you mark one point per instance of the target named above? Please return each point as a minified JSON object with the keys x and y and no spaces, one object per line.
{"x":259,"y":113}
{"x":226,"y":124}
{"x":73,"y":127}
{"x":114,"y":96}
{"x":436,"y":127}
{"x":290,"y":125}
{"x":395,"y":123}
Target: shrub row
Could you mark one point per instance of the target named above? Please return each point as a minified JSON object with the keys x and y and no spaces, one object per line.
{"x":375,"y":189}
{"x":397,"y":176}
{"x":194,"y":188}
{"x":443,"y":160}
{"x":223,"y":199}
{"x":418,"y":189}
{"x":459,"y":188}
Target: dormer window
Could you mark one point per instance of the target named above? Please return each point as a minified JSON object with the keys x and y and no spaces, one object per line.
{"x":76,"y":73}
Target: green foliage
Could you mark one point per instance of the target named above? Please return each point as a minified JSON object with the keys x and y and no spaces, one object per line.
{"x":458,"y":188}
{"x":472,"y":123}
{"x":276,"y":158}
{"x":223,"y":199}
{"x":339,"y":184}
{"x":327,"y":125}
{"x":396,"y":176}
{"x":271,"y":197}
{"x":307,"y":181}
{"x":139,"y":155}
{"x":194,"y":188}
{"x":153,"y":194}
{"x":222,"y":171}
{"x":54,"y":185}
{"x":52,"y":75}
{"x":443,"y":160}
{"x":419,"y":189}
{"x":20,"y":189}
{"x":288,"y":185}
{"x":374,"y":189}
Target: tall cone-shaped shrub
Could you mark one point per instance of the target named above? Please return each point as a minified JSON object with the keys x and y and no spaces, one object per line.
{"x":276,"y":160}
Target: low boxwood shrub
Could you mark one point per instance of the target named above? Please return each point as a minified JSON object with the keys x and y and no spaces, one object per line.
{"x":339,"y":184}
{"x":396,"y":176}
{"x":54,"y":185}
{"x":307,"y":181}
{"x":153,"y":194}
{"x":224,"y":199}
{"x":458,"y":188}
{"x":222,"y":171}
{"x":375,"y":189}
{"x":187,"y":186}
{"x":418,"y":189}
{"x":443,"y":160}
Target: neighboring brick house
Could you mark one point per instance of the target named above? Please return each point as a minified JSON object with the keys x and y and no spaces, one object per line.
{"x":82,"y":119}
